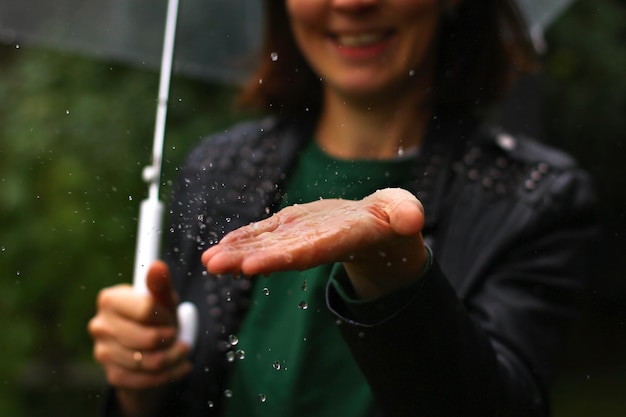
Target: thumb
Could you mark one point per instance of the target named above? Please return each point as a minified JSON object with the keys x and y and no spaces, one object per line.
{"x":160,"y":285}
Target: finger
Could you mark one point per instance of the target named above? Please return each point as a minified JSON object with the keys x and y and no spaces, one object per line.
{"x":124,"y":301}
{"x":124,"y":378}
{"x":108,"y":326}
{"x":404,"y":211}
{"x":160,"y":285}
{"x":140,"y":360}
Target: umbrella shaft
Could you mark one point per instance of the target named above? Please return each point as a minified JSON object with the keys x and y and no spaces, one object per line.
{"x":164,"y":88}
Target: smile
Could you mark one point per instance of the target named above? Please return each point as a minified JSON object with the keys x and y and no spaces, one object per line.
{"x":360,"y":40}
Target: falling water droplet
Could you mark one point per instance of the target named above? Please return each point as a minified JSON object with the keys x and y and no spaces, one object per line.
{"x":228,"y":393}
{"x":262,"y":398}
{"x":266,"y":291}
{"x":233,"y":340}
{"x":304,"y":286}
{"x":303,"y":305}
{"x":210,"y":404}
{"x":274,"y":56}
{"x":411,"y":73}
{"x":276,"y":365}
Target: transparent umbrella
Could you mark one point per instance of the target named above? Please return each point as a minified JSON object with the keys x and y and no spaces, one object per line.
{"x":214,"y":37}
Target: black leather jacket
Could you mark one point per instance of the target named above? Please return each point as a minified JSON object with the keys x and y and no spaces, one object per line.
{"x":509,"y":222}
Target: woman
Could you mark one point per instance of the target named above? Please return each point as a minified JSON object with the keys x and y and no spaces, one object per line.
{"x":444,"y":293}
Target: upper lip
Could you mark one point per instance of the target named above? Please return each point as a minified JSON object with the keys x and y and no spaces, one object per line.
{"x":362,"y":33}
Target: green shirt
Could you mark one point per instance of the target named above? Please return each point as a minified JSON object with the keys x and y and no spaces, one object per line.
{"x":295,"y":362}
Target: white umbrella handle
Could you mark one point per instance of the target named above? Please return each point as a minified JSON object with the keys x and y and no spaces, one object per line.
{"x":151,"y":212}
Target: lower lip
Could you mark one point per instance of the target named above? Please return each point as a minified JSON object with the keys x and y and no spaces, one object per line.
{"x":363,"y":52}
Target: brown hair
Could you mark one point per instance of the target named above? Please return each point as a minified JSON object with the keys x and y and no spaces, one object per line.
{"x":483,"y":44}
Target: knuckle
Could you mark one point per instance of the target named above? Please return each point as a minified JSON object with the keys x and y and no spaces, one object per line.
{"x":100,"y":353}
{"x":95,"y":327}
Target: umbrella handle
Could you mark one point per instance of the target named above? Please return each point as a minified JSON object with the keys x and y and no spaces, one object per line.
{"x":147,"y":251}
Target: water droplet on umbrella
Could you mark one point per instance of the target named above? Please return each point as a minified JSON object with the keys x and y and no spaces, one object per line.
{"x":304,"y":285}
{"x":262,"y":398}
{"x":233,"y":340}
{"x":303,"y":305}
{"x":274,"y":56}
{"x":230,"y":356}
{"x":210,"y":404}
{"x":276,"y":365}
{"x":266,"y":291}
{"x":240,"y":354}
{"x":228,"y":393}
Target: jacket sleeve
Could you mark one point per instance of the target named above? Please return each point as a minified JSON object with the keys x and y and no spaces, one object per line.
{"x":482,"y":341}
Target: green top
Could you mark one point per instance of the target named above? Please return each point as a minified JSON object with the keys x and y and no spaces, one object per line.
{"x":295,"y":362}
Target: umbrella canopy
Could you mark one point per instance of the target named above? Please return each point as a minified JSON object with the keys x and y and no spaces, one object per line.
{"x":213,"y":40}
{"x":539,"y":14}
{"x":214,"y":37}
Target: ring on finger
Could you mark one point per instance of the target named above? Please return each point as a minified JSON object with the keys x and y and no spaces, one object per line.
{"x":138,"y":358}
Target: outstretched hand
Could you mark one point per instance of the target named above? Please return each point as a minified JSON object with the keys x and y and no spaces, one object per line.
{"x":378,"y":239}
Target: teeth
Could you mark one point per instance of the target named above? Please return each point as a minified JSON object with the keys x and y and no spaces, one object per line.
{"x":364,"y":39}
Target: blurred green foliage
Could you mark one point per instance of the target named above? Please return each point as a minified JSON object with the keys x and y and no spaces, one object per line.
{"x":74,"y":137}
{"x":76,"y":133}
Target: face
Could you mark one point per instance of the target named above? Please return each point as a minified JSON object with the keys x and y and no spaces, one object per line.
{"x":366,"y":47}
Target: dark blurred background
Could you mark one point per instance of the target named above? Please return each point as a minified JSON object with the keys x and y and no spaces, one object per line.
{"x":75,"y":134}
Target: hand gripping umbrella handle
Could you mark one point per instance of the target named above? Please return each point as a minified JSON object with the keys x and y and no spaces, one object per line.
{"x":147,"y":251}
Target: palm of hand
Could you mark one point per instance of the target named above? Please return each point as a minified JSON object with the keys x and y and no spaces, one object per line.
{"x":377,"y":235}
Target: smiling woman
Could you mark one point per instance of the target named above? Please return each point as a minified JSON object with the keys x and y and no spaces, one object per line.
{"x":373,"y":247}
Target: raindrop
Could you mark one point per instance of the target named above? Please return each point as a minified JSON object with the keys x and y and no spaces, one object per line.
{"x":130,"y":198}
{"x":228,"y":393}
{"x":233,"y":340}
{"x":411,"y":73}
{"x":266,"y":291}
{"x":262,"y":398}
{"x":210,"y":404}
{"x":276,"y":365}
{"x":303,"y":305}
{"x":206,"y":369}
{"x":17,"y":46}
{"x":274,"y":56}
{"x":3,"y":249}
{"x":230,"y":356}
{"x":240,"y":354}
{"x":67,"y":111}
{"x":400,"y":151}
{"x":304,"y":285}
